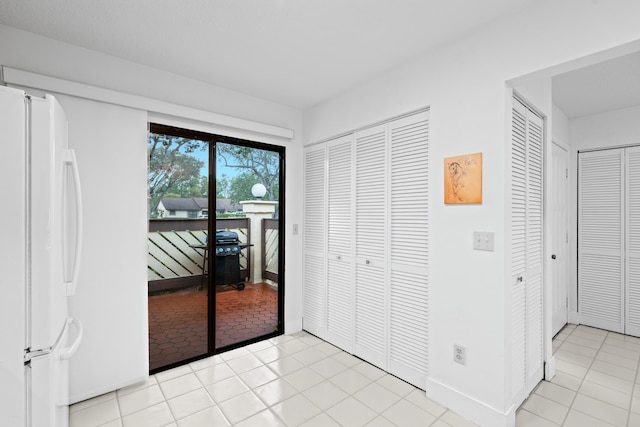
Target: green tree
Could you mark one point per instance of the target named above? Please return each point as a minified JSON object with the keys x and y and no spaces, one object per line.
{"x":222,"y":187}
{"x":171,"y":166}
{"x":240,"y":187}
{"x":263,"y":165}
{"x":196,"y":186}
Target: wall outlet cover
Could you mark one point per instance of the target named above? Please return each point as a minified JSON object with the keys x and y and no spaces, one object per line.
{"x":459,"y":354}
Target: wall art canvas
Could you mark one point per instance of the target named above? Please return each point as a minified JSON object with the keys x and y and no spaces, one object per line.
{"x":463,"y":179}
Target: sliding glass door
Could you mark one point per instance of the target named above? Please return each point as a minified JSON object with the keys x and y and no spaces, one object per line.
{"x":215,"y":270}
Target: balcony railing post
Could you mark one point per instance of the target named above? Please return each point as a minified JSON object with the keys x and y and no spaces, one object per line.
{"x":256,"y":210}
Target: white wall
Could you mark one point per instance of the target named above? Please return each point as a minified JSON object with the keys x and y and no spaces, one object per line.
{"x":610,"y":129}
{"x":464,"y":84}
{"x":26,"y":51}
{"x":561,"y":131}
{"x":111,"y":300}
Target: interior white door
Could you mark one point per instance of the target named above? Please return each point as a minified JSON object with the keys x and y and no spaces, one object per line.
{"x":370,"y":245}
{"x":409,"y":248}
{"x":632,"y":242}
{"x":535,"y":221}
{"x":340,"y":289}
{"x":559,"y":231}
{"x":527,"y":141}
{"x":315,"y":259}
{"x":601,"y":239}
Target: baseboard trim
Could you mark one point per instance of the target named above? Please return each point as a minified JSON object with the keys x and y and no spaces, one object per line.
{"x":550,"y":369}
{"x":469,"y":407}
{"x":292,"y":326}
{"x":99,"y":391}
{"x":574,"y":318}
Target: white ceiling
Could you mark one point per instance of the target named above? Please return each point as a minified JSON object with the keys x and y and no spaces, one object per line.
{"x":297,"y":52}
{"x":609,"y":85}
{"x":294,"y":52}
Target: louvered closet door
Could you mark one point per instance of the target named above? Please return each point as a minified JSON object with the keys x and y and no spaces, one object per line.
{"x":315,"y":265}
{"x":632,"y":261}
{"x":533,"y":281}
{"x":370,"y":245}
{"x":600,"y":239}
{"x":526,"y":248}
{"x":409,"y":248}
{"x":340,"y":288}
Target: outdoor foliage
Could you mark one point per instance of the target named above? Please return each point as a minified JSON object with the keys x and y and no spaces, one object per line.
{"x":255,"y":166}
{"x":173,"y":170}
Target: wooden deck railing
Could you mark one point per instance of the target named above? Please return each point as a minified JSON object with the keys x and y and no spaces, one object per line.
{"x":270,"y":249}
{"x":173,"y":262}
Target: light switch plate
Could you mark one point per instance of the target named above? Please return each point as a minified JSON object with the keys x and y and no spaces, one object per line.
{"x":483,"y":240}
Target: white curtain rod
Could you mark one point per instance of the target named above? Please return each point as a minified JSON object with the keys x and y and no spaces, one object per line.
{"x":38,"y":81}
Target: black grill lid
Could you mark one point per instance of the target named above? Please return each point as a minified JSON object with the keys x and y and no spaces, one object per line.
{"x":226,"y":237}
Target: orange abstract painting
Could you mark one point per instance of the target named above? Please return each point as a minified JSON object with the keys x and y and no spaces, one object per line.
{"x":463,"y":179}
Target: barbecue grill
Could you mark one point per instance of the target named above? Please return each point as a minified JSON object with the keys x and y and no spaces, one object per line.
{"x":228,"y":248}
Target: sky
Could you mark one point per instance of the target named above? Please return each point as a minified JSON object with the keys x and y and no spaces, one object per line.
{"x":221,"y":169}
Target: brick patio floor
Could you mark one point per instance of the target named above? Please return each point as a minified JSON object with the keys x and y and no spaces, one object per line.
{"x":178,"y":320}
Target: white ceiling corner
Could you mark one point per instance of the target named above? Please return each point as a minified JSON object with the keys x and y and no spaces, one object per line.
{"x":292,"y":52}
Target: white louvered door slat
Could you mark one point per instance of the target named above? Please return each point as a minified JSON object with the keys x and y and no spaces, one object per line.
{"x":518,"y":244}
{"x":370,"y":238}
{"x":409,"y":248}
{"x":632,"y":259}
{"x":533,"y":282}
{"x":340,"y":241}
{"x":314,"y":232}
{"x":366,"y":240}
{"x":527,"y":142}
{"x":600,"y":239}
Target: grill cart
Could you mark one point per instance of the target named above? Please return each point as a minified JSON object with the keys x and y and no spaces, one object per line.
{"x":228,"y":248}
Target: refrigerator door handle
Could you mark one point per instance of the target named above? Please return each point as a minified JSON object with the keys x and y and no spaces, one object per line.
{"x":70,"y":159}
{"x":68,"y":352}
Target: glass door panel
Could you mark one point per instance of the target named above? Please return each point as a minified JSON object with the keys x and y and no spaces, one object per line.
{"x":247,"y":206}
{"x":177,"y":262}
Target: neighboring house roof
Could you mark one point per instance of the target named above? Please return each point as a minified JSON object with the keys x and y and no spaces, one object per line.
{"x":197,"y":204}
{"x":224,"y":205}
{"x":180,"y":204}
{"x":202,"y":202}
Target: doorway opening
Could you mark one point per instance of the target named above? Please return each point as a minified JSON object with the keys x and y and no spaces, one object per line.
{"x":216,"y":278}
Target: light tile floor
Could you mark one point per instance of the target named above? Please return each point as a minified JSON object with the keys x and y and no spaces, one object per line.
{"x":596,"y":382}
{"x":300,"y":380}
{"x":291,"y":380}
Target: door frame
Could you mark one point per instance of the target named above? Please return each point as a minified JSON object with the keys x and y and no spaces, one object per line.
{"x":212,"y":138}
{"x":281,"y":150}
{"x":565,"y":253}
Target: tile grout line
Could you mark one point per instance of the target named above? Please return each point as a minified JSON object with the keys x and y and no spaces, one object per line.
{"x":583,"y":378}
{"x":189,"y":369}
{"x":633,"y":389}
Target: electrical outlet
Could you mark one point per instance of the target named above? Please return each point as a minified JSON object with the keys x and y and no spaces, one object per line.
{"x":459,"y":354}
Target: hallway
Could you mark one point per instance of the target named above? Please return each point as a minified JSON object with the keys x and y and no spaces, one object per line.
{"x":596,"y":382}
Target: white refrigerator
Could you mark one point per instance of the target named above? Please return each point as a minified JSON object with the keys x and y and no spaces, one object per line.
{"x":40,"y":249}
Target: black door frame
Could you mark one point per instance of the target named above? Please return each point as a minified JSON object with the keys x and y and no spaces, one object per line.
{"x":212,"y":139}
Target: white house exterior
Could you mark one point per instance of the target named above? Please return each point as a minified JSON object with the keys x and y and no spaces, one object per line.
{"x":174,"y":207}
